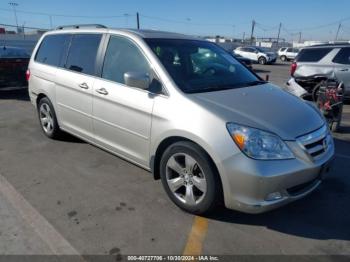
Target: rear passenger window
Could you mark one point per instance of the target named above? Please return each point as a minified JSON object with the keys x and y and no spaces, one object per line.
{"x":313,"y":55}
{"x":343,"y":57}
{"x":51,"y":49}
{"x":82,"y":53}
{"x":123,"y":56}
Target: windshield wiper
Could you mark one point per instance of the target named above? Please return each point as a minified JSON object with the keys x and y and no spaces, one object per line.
{"x":254,"y":83}
{"x":210,"y":89}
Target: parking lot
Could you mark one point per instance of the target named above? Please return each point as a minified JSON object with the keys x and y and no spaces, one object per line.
{"x":69,"y":197}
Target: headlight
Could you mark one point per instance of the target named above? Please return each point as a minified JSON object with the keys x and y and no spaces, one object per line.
{"x":259,"y":144}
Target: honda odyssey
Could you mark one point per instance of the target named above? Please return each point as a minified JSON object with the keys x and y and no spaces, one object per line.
{"x":184,"y":109}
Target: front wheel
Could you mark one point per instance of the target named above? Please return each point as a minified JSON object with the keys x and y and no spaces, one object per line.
{"x":283,"y":58}
{"x":262,"y":60}
{"x":189,"y":178}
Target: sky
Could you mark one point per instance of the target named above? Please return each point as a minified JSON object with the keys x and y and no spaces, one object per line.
{"x":316,"y":20}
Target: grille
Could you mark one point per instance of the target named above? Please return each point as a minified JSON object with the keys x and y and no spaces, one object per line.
{"x":315,"y":143}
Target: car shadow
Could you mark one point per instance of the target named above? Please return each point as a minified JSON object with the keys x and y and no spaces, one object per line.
{"x":324,"y":214}
{"x":66,"y":137}
{"x":261,"y":71}
{"x":20,"y":94}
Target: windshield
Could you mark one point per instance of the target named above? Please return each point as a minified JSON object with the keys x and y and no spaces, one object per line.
{"x":200,"y":66}
{"x":262,"y":49}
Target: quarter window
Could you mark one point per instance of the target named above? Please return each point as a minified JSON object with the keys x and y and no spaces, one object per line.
{"x":123,"y":56}
{"x":313,"y":54}
{"x":83,"y":52}
{"x":51,"y":49}
{"x":343,"y":57}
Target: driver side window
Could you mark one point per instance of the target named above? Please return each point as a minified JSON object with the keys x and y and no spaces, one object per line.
{"x":123,"y":56}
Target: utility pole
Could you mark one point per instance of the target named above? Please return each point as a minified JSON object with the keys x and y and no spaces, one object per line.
{"x":233,"y":29}
{"x":336,"y":36}
{"x":252,"y":34}
{"x":138,"y":20}
{"x":279,"y":32}
{"x":50,"y":17}
{"x":299,"y":37}
{"x":14,"y":5}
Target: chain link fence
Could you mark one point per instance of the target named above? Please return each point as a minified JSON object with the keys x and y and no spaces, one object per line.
{"x":20,"y":36}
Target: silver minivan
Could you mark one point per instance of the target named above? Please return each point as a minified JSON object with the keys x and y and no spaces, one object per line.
{"x":184,"y":109}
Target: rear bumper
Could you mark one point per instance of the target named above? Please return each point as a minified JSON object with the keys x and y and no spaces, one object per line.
{"x":258,"y":186}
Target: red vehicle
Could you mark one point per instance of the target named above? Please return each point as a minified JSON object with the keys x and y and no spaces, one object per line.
{"x":13,"y":65}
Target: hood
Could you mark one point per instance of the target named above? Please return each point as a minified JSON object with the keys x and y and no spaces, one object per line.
{"x":265,"y":107}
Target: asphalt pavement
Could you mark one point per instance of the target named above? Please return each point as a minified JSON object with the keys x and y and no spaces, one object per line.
{"x":68,"y":197}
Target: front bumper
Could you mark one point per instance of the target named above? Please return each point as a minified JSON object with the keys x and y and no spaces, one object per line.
{"x":250,"y":183}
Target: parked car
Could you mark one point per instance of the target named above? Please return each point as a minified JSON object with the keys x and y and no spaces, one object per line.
{"x":317,"y":63}
{"x":257,"y":54}
{"x":13,"y":65}
{"x":281,"y":50}
{"x":211,"y":130}
{"x":247,"y":62}
{"x":288,"y":54}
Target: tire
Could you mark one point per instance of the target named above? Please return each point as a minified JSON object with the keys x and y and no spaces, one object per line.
{"x":314,"y":93}
{"x":262,"y":60}
{"x":336,"y":125}
{"x":47,"y":118}
{"x":189,"y":178}
{"x":283,"y":58}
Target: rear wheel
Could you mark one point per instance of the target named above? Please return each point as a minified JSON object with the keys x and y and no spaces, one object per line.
{"x":47,"y":117}
{"x":262,"y":60}
{"x":189,"y":178}
{"x":335,"y":126}
{"x":315,"y":92}
{"x":283,"y":58}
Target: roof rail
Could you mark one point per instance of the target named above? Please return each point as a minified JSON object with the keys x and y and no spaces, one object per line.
{"x":80,"y":26}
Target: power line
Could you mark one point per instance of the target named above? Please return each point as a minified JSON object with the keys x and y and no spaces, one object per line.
{"x":63,"y":15}
{"x":26,"y":27}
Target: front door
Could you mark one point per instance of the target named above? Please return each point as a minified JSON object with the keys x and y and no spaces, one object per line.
{"x":122,"y":114}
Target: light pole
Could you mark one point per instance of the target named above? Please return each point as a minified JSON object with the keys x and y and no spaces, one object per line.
{"x":188,"y":24}
{"x":127,"y":19}
{"x":234,"y":32}
{"x":14,"y":5}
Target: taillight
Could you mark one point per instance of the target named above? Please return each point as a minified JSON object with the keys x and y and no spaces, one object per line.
{"x":27,"y":74}
{"x":293,"y":67}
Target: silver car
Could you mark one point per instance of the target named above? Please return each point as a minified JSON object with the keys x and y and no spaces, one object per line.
{"x":184,"y":109}
{"x":317,"y":63}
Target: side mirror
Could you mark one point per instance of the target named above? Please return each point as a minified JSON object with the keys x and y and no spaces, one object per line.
{"x":137,"y":79}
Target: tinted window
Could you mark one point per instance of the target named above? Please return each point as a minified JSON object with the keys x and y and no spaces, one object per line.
{"x":82,"y":53}
{"x":200,"y":66}
{"x":313,"y":54}
{"x":250,"y":50}
{"x":51,"y":49}
{"x":343,"y":56}
{"x":123,"y":56}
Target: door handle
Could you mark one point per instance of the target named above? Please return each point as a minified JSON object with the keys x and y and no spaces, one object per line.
{"x":344,"y":70}
{"x":102,"y":91}
{"x":84,"y":85}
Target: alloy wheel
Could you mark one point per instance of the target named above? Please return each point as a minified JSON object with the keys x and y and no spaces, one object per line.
{"x":46,"y":118}
{"x":186,"y":179}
